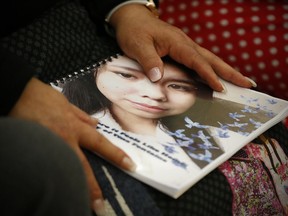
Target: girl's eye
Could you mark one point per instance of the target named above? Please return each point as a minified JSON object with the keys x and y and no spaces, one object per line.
{"x":186,"y":88}
{"x":174,"y":86}
{"x":125,"y":75}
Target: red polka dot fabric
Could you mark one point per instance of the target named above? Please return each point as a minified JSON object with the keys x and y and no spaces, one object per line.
{"x":250,"y":35}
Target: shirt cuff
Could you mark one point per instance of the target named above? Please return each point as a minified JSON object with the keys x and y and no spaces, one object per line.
{"x":148,"y":3}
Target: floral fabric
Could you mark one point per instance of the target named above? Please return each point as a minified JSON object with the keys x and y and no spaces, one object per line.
{"x":258,"y":177}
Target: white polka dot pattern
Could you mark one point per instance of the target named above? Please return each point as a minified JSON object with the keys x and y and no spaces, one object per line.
{"x":250,"y":35}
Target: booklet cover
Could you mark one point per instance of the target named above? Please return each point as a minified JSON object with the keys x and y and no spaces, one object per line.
{"x":176,"y":130}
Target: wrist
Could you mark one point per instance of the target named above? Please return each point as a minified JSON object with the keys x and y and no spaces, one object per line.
{"x":130,"y":10}
{"x":149,"y":4}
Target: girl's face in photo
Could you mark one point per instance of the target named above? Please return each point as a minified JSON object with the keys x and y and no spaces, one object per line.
{"x":124,"y":83}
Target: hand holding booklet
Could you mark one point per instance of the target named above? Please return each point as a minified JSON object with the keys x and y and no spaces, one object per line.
{"x":176,"y":130}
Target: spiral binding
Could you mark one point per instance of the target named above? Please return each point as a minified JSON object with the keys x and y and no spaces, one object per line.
{"x":86,"y":70}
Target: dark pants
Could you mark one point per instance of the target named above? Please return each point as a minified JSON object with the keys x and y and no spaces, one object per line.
{"x":40,"y":174}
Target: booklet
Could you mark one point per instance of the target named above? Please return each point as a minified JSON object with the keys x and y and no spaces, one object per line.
{"x":176,"y":130}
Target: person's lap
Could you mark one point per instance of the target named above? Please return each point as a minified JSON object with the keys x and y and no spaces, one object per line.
{"x":41,"y":175}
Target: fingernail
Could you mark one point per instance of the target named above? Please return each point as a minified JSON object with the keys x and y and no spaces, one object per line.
{"x":99,"y":207}
{"x":254,"y":84}
{"x":129,"y":164}
{"x":223,"y":87}
{"x":154,"y":74}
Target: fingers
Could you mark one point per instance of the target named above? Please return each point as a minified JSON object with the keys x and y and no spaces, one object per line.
{"x":89,"y":138}
{"x":92,"y":140}
{"x":184,"y":53}
{"x":205,"y":63}
{"x":174,"y":43}
{"x":84,"y":117}
{"x":148,"y":57}
{"x":160,"y":39}
{"x":151,"y":63}
{"x":225,"y":71}
{"x":187,"y":53}
{"x":72,"y":125}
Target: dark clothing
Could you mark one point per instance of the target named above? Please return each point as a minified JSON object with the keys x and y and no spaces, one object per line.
{"x":41,"y":175}
{"x":16,"y":14}
{"x":33,"y":179}
{"x":15,"y":69}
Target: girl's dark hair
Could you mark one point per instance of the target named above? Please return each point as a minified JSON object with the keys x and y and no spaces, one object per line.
{"x":83,"y":93}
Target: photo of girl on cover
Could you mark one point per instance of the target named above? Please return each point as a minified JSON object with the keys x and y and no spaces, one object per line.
{"x":177,"y":117}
